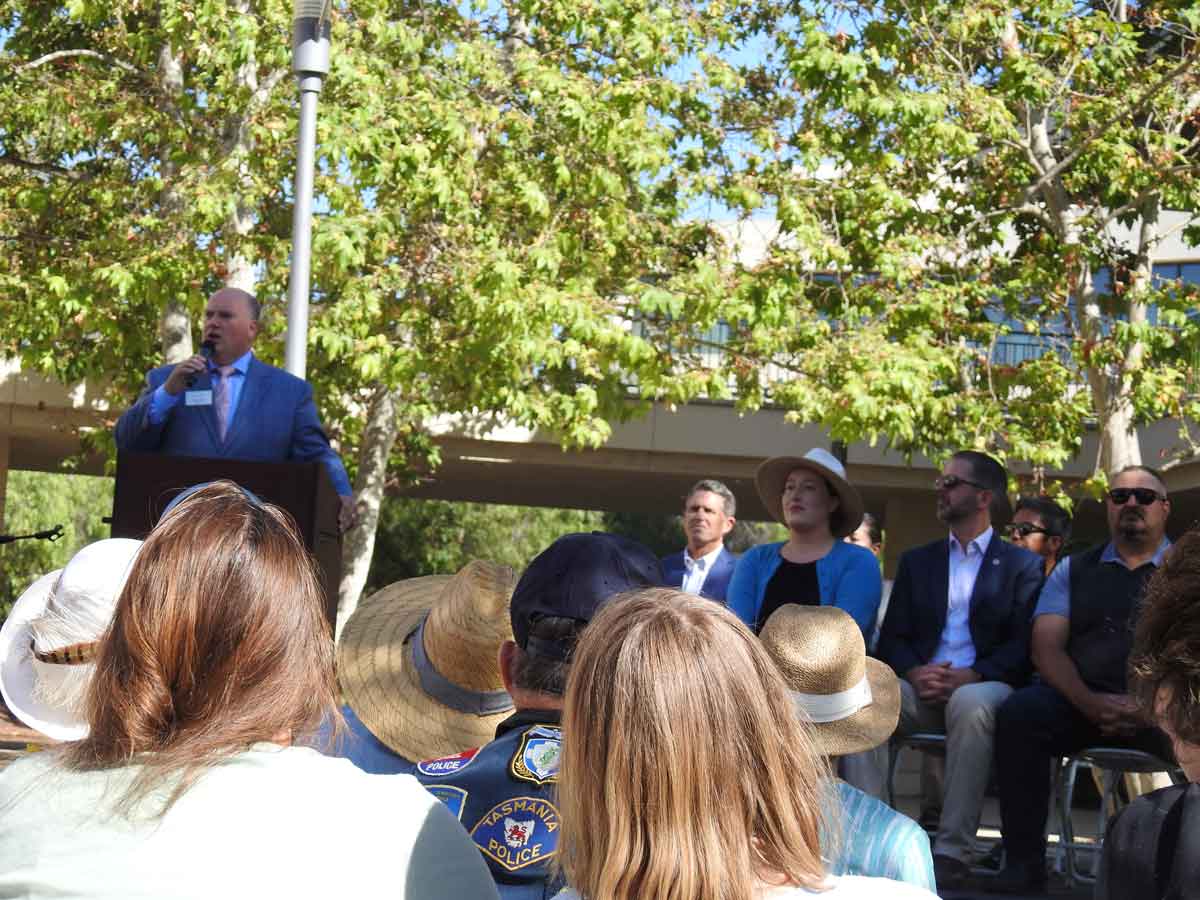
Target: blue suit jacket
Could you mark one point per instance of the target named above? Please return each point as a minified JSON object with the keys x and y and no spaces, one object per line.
{"x":275,"y":421}
{"x":716,"y":582}
{"x":1002,"y":602}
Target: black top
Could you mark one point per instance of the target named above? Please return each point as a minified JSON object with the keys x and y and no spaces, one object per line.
{"x":1104,"y":598}
{"x":1152,"y":850}
{"x":792,"y":583}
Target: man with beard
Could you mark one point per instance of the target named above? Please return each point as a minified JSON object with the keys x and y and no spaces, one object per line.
{"x":1082,"y":636}
{"x":704,"y":567}
{"x":956,"y":635}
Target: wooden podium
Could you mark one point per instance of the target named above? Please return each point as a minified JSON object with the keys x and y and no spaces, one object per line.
{"x":147,"y":482}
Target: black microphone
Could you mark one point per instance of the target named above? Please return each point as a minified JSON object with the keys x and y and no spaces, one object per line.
{"x":207,"y":349}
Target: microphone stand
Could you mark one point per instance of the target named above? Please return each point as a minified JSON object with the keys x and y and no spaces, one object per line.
{"x":50,"y":534}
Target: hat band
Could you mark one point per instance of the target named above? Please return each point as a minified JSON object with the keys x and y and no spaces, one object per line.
{"x":74,"y":655}
{"x":822,"y":708}
{"x":445,"y":691}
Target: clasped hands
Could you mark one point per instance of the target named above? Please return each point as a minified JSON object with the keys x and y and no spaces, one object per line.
{"x":1116,"y":715}
{"x":935,"y":682}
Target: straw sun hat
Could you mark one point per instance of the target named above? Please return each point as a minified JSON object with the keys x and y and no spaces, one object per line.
{"x":772,"y":475}
{"x":444,"y":694}
{"x":853,"y":701}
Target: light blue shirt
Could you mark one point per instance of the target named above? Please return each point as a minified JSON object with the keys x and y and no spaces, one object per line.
{"x":162,"y":403}
{"x":878,"y":841}
{"x":956,"y":646}
{"x":1056,"y":594}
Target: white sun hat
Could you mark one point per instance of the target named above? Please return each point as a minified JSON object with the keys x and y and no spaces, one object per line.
{"x":48,"y":642}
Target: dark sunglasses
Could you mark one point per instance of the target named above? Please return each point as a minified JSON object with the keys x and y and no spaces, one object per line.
{"x":1024,"y":529}
{"x":950,"y":482}
{"x":1144,"y":496}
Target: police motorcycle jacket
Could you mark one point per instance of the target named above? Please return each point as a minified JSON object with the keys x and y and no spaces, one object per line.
{"x":503,"y":794}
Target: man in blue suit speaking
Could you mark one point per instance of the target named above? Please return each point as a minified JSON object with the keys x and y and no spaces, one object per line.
{"x":704,"y":567}
{"x":231,"y":404}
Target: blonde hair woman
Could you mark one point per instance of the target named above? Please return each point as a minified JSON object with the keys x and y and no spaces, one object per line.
{"x":686,"y":774}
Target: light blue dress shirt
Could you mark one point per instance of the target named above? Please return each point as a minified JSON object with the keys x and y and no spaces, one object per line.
{"x":956,"y":645}
{"x":162,"y":402}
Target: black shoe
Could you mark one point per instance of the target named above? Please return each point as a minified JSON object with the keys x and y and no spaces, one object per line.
{"x":929,"y":819}
{"x":1018,"y":878}
{"x":993,"y":860}
{"x":950,"y":873}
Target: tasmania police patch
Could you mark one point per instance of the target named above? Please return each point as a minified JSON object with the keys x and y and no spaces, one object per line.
{"x":536,"y":759}
{"x":446,"y":765}
{"x":518,"y":832}
{"x":454,"y":797}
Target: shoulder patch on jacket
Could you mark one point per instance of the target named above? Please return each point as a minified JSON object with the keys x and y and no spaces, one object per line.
{"x":446,"y":765}
{"x":518,"y":832}
{"x":537,"y":756}
{"x":454,"y":797}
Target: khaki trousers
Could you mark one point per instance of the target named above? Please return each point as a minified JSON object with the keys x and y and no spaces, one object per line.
{"x":969,"y":722}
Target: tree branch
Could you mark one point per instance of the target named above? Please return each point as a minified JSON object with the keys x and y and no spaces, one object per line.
{"x":91,"y":54}
{"x":1141,"y":198}
{"x":263,"y":92}
{"x":1142,"y":101}
{"x":42,"y":168}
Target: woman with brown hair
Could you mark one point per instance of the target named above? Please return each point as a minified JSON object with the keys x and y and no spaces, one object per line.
{"x":686,"y":774}
{"x":812,"y":496}
{"x":192,"y":781}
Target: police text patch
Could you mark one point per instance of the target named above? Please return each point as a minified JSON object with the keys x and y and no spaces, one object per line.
{"x":446,"y":765}
{"x":518,"y":832}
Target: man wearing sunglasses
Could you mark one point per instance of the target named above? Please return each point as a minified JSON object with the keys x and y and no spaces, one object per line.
{"x":1082,"y":635}
{"x":956,"y":633}
{"x":1041,"y":526}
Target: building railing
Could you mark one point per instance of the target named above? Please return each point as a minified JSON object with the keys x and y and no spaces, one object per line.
{"x":1009,"y":350}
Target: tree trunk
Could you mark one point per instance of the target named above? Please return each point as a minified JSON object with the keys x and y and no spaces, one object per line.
{"x":378,"y":438}
{"x":175,"y":327}
{"x":175,"y":332}
{"x":1119,"y":442}
{"x":238,"y":143}
{"x":1120,"y":445}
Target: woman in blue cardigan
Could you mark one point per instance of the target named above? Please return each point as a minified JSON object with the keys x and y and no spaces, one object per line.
{"x":814,"y":566}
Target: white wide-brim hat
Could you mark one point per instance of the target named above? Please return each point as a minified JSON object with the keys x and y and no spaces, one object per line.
{"x":83,"y":593}
{"x":771,"y":476}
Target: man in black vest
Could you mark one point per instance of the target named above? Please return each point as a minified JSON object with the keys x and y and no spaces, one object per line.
{"x":1082,"y":634}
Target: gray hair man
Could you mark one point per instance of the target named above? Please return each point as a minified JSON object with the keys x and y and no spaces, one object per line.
{"x":704,"y":566}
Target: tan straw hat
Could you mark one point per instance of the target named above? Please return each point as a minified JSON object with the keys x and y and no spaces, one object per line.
{"x":771,"y":476}
{"x":417,"y":661}
{"x":853,"y":701}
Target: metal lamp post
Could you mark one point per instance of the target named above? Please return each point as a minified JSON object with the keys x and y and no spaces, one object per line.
{"x":310,"y":62}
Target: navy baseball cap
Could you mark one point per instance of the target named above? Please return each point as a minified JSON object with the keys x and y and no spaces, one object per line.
{"x":573,"y":578}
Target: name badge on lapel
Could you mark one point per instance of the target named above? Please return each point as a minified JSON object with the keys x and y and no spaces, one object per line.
{"x":198,"y":398}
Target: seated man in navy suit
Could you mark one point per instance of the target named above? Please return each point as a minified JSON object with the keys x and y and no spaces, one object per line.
{"x":231,"y":404}
{"x":705,"y":566}
{"x":956,"y":632}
